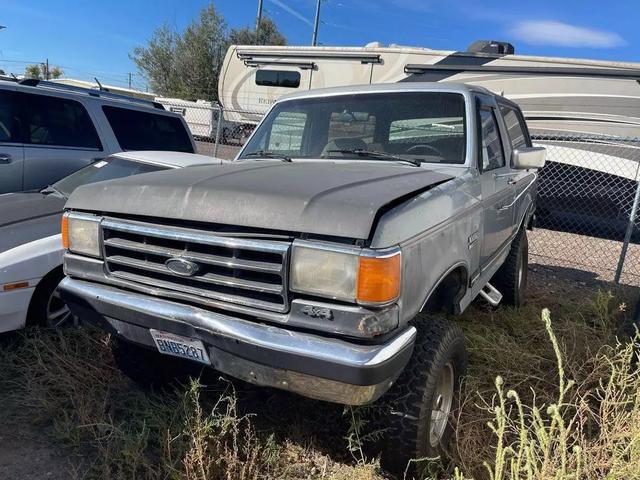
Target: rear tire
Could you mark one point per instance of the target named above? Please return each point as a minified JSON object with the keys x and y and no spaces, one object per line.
{"x":512,"y":277}
{"x":419,"y":406}
{"x":150,"y":369}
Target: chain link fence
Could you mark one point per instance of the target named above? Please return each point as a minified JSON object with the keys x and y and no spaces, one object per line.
{"x":588,"y":191}
{"x":217,"y":132}
{"x":587,"y":200}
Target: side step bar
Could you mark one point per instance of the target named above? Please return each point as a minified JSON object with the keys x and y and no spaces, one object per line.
{"x":491,"y":294}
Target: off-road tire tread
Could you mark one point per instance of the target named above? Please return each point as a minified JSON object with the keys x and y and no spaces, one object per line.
{"x":437,"y":339}
{"x":506,"y":278}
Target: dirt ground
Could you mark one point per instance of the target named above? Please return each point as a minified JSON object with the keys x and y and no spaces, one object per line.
{"x":25,"y":457}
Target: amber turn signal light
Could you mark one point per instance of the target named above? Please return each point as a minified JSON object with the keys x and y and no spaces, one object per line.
{"x":379,"y":279}
{"x":64,"y":228}
{"x":14,"y":286}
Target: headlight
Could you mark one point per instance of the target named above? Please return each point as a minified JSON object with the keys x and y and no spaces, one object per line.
{"x":81,"y":234}
{"x":368,"y":277}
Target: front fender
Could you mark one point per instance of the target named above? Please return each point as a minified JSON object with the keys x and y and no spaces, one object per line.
{"x":31,"y":261}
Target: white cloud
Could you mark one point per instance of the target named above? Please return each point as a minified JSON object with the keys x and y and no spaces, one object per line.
{"x":551,"y":32}
{"x":291,"y":11}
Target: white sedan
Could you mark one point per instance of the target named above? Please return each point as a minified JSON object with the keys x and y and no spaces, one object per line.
{"x":30,"y":243}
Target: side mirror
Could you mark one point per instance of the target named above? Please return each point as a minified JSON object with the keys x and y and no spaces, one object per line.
{"x":528,"y":157}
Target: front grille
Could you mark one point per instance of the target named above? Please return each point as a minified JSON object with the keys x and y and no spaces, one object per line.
{"x":250,"y":272}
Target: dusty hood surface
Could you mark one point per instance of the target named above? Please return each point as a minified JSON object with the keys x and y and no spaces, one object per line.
{"x":326,"y":198}
{"x":25,"y":217}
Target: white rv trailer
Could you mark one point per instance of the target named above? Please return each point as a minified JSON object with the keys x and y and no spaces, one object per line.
{"x":555,"y":94}
{"x":568,"y":98}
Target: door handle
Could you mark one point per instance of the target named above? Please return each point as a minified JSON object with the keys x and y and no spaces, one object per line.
{"x":5,"y":158}
{"x":512,"y":182}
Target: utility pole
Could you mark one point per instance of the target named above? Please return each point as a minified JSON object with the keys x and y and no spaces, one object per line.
{"x":129,"y":81}
{"x":45,"y":68}
{"x":258,"y":20}
{"x":314,"y":39}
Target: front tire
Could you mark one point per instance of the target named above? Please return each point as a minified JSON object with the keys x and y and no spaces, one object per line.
{"x":47,"y":309}
{"x":420,"y":404}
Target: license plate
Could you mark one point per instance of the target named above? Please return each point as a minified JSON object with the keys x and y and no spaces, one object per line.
{"x":181,"y":347}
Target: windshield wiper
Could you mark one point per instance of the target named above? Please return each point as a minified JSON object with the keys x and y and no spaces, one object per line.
{"x":363,"y":152}
{"x":267,"y":154}
{"x":51,"y":189}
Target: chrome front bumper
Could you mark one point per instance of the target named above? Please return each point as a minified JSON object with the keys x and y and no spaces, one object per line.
{"x":312,"y":365}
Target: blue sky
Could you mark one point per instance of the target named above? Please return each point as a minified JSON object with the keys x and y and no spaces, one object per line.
{"x":90,"y":38}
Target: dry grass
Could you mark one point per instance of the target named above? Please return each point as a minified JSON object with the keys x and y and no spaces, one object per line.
{"x":556,"y":397}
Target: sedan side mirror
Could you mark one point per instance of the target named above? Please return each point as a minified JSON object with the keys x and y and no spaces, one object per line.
{"x":528,"y":157}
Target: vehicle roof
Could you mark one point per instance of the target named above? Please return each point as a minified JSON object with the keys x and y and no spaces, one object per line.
{"x":391,"y":87}
{"x":169,"y":159}
{"x":89,"y":94}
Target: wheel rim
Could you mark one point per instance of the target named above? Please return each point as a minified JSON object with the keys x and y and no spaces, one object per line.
{"x":442,"y":402}
{"x":57,"y":311}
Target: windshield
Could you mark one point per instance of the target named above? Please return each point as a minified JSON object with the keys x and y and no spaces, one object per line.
{"x":415,"y":126}
{"x":107,"y":169}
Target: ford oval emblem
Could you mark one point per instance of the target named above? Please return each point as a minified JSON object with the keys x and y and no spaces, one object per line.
{"x":182,"y":267}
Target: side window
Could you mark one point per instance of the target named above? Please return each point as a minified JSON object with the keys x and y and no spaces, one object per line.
{"x":278,"y":78}
{"x":58,"y":122}
{"x":287,"y":132}
{"x":515,"y":126}
{"x":491,"y":145}
{"x":7,"y":117}
{"x":138,"y":130}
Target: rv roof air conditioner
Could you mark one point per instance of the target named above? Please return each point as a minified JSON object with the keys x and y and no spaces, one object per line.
{"x":491,"y":46}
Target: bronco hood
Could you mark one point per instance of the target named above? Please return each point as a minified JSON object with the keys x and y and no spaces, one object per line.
{"x":327,"y":198}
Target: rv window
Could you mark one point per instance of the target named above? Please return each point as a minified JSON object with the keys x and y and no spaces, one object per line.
{"x":278,"y":78}
{"x":286,"y":133}
{"x":515,"y":126}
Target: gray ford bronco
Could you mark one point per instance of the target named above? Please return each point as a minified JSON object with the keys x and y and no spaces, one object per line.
{"x":315,"y":261}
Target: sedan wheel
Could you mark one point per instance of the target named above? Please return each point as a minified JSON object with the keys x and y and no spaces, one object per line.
{"x":57,"y":312}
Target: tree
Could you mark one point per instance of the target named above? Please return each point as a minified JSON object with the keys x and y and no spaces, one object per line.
{"x":187,"y":64}
{"x":158,"y":61}
{"x":269,"y":35}
{"x":39,"y":71}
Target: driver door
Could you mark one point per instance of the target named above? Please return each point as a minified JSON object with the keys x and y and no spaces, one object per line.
{"x":498,"y":192}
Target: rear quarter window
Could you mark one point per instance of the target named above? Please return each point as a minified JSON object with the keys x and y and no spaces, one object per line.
{"x":138,"y":130}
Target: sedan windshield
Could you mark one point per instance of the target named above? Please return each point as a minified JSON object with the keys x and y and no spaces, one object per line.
{"x":108,"y":169}
{"x":413,"y":127}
